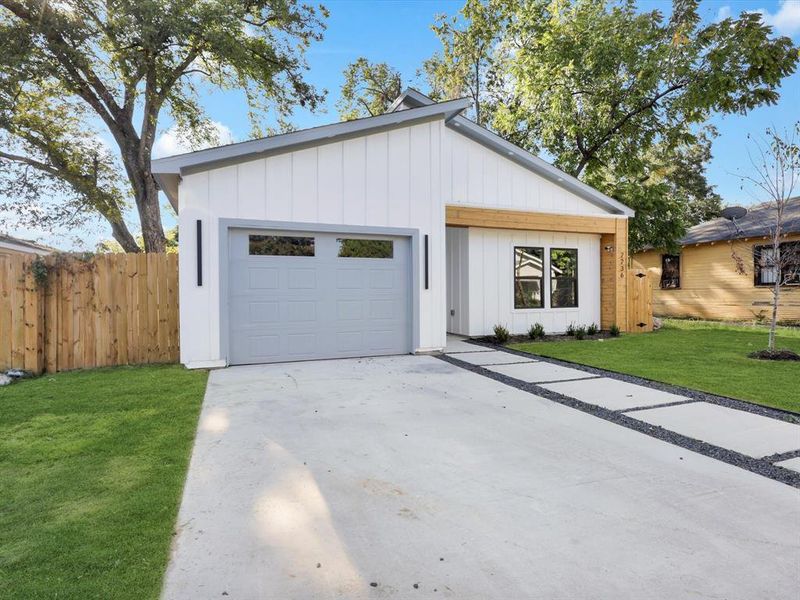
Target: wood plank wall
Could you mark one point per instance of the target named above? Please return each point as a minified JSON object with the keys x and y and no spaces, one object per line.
{"x":112,"y":309}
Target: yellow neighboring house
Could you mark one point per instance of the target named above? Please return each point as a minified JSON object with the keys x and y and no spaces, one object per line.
{"x":11,"y":246}
{"x":703,"y":281}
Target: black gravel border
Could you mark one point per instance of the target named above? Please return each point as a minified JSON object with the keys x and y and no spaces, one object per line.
{"x":764,"y":411}
{"x":759,"y":466}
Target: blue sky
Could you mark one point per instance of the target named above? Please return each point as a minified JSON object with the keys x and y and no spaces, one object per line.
{"x":398,"y":32}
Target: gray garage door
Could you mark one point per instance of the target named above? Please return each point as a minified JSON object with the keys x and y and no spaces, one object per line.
{"x":298,"y":296}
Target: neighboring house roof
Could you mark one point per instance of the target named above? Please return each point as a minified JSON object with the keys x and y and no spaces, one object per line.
{"x":758,"y":222}
{"x":19,"y":245}
{"x":411,"y":106}
{"x":411,"y":98}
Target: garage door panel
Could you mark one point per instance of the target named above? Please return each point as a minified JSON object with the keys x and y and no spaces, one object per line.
{"x":292,"y":307}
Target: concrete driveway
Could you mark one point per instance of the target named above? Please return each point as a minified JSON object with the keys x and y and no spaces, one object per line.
{"x":408,"y":477}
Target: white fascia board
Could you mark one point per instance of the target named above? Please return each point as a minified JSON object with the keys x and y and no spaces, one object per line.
{"x":167,"y":171}
{"x":24,"y":248}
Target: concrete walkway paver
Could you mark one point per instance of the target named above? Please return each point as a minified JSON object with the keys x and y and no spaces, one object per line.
{"x":792,"y":463}
{"x":613,"y":393}
{"x":540,"y":372}
{"x":750,"y":434}
{"x":493,"y":358}
{"x":458,"y":345}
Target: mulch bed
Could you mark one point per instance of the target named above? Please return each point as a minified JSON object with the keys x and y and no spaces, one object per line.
{"x":783,"y":354}
{"x":523,"y":339}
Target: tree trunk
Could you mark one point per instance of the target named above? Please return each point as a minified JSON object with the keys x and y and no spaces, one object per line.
{"x":776,"y":292}
{"x":150,"y":216}
{"x":123,"y":236}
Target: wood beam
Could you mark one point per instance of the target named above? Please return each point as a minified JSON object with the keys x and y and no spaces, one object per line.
{"x":494,"y":218}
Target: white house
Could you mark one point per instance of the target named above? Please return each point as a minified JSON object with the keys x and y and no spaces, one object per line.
{"x":380,"y":235}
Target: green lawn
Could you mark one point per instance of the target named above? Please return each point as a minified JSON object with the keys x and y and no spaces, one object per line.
{"x":711,"y":357}
{"x":92,"y":465}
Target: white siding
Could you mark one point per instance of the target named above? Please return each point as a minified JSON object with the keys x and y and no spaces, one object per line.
{"x":491,"y":281}
{"x":457,"y":280}
{"x":478,"y":176}
{"x":383,"y":180}
{"x":399,"y":178}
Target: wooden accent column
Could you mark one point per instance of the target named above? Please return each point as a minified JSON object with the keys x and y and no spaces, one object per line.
{"x":614,"y":277}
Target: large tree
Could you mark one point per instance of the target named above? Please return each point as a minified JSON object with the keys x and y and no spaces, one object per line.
{"x":73,"y":67}
{"x":368,"y":89}
{"x":620,"y":97}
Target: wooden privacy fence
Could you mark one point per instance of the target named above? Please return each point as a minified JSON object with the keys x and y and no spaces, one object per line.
{"x":640,"y":300}
{"x":66,"y":312}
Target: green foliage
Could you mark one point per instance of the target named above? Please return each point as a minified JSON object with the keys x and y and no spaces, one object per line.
{"x":93,"y":464}
{"x":40,"y":272}
{"x":536,"y":331}
{"x":73,"y":69}
{"x":368,"y":90}
{"x":614,"y":331}
{"x":366,"y":248}
{"x":580,"y":332}
{"x":501,"y":334}
{"x":571,"y":329}
{"x":620,"y":97}
{"x":592,"y":329}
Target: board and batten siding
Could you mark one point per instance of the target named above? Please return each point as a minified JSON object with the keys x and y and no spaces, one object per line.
{"x":400,"y":178}
{"x":711,"y":288}
{"x":490,"y":262}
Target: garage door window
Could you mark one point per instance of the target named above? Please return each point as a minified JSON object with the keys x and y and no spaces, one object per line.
{"x":280,"y":245}
{"x":354,"y":248}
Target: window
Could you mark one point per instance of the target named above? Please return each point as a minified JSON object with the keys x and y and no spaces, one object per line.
{"x":280,"y":245}
{"x":766,"y":267}
{"x":528,"y":277}
{"x":563,"y":278}
{"x":670,"y":272}
{"x":353,"y":248}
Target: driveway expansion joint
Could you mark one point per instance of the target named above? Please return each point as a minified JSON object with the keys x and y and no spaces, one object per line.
{"x":758,"y":466}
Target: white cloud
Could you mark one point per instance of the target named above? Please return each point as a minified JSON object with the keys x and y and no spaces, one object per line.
{"x":173,"y":141}
{"x":723,"y":13}
{"x":786,"y":20}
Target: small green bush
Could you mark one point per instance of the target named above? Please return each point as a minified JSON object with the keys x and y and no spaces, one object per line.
{"x":592,"y":329}
{"x":614,"y":330}
{"x":580,"y":332}
{"x":500,"y":334}
{"x":571,"y":329}
{"x":536,"y":331}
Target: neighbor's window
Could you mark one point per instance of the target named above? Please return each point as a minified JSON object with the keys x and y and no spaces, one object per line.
{"x":563,"y":278}
{"x":670,"y":272}
{"x":281,"y":245}
{"x":354,"y":248}
{"x":528,"y":277}
{"x":767,"y":269}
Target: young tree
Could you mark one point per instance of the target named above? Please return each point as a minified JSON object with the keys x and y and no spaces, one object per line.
{"x":613,"y":94}
{"x":368,"y":90}
{"x":69,"y":65}
{"x":776,"y":176}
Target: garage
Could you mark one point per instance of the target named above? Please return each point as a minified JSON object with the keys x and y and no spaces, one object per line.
{"x":296,"y":295}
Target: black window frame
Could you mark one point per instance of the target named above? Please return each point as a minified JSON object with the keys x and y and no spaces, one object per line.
{"x":676,"y":280}
{"x":757,"y":269}
{"x":553,"y":288}
{"x":264,"y":237}
{"x":520,"y":278}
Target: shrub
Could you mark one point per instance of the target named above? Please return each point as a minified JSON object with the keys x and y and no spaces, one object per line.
{"x":614,"y":330}
{"x":592,"y":329}
{"x":536,"y":331}
{"x":580,"y":332}
{"x":500,"y":334}
{"x":571,"y":329}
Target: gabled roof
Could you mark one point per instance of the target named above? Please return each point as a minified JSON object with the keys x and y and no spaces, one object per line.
{"x":20,"y":245}
{"x":167,"y":171}
{"x":758,"y":222}
{"x":411,"y":106}
{"x":412,"y":98}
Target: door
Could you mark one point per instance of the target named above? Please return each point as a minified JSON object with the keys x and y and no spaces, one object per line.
{"x":310,"y":295}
